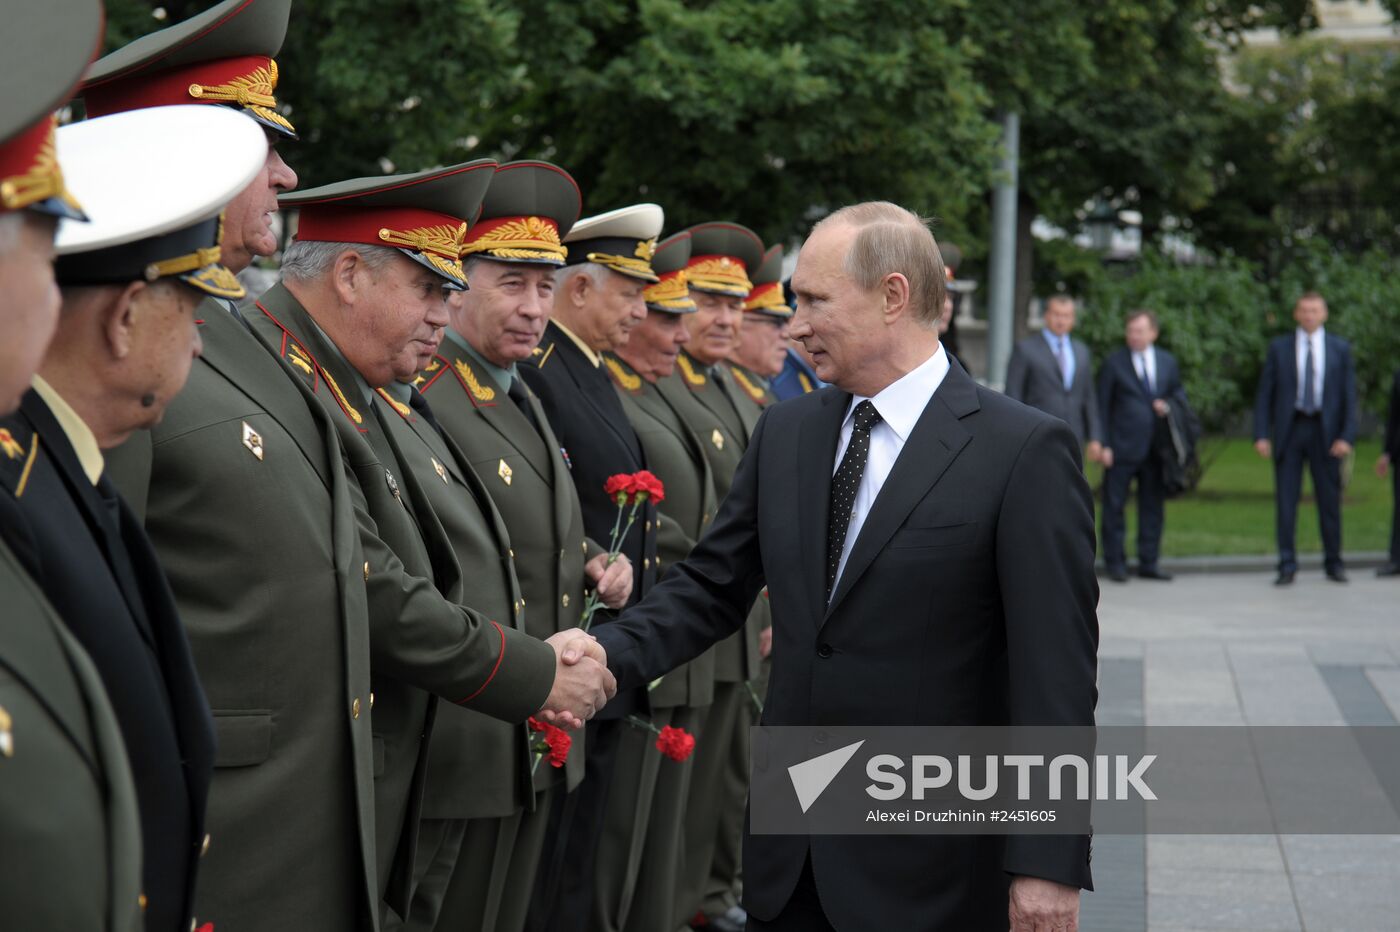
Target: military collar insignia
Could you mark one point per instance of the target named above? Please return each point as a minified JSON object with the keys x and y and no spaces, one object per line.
{"x":629,"y":382}
{"x":753,"y":390}
{"x":403,"y":410}
{"x":693,"y":378}
{"x":10,"y":446}
{"x":479,"y":392}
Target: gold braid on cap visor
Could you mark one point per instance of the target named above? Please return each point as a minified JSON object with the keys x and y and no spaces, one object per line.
{"x":43,"y":180}
{"x":441,"y":245}
{"x":525,"y":238}
{"x":670,"y":292}
{"x":722,"y":274}
{"x":212,"y":277}
{"x":253,"y":91}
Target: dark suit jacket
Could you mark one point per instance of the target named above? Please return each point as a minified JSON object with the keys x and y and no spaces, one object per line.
{"x":1277,"y":399}
{"x":1129,"y":423}
{"x":587,"y":418}
{"x":984,"y":589}
{"x":1392,"y":420}
{"x":1033,"y":377}
{"x":95,"y":564}
{"x":71,"y":837}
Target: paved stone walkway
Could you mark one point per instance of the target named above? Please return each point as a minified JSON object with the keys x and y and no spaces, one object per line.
{"x":1230,"y":649}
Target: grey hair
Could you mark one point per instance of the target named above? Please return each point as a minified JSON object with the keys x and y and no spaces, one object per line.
{"x":562,"y":275}
{"x":305,"y":260}
{"x":10,"y":224}
{"x":891,"y":239}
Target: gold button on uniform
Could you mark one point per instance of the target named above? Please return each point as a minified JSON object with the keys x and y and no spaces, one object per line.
{"x":646,"y":563}
{"x":371,"y":700}
{"x":204,"y":848}
{"x":648,"y":526}
{"x":566,"y":600}
{"x":366,"y":569}
{"x":355,"y":709}
{"x":141,"y":901}
{"x":584,"y":547}
{"x":512,"y":554}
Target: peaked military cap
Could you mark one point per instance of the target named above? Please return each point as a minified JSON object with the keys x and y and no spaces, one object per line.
{"x":721,"y":256}
{"x":44,"y":48}
{"x":621,"y":240}
{"x":424,"y":215}
{"x":221,"y":56}
{"x":767,"y":296}
{"x":157,"y":182}
{"x":529,"y":207}
{"x":668,"y":260}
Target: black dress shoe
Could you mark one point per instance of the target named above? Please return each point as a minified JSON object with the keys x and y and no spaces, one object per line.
{"x":1151,"y":572}
{"x":1285,"y":578}
{"x":1117,"y":575}
{"x":1337,"y":575}
{"x":1390,"y":569}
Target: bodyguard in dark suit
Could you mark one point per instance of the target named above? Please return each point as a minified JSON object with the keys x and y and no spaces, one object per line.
{"x":1305,"y":411}
{"x":1137,"y":383}
{"x":597,"y":301}
{"x":126,"y":340}
{"x":70,"y":836}
{"x":983,"y":587}
{"x":1051,"y":371}
{"x":1388,"y":460}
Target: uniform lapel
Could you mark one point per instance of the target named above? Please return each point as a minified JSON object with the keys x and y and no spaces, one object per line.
{"x":935,"y":442}
{"x":587,"y":377}
{"x":814,"y":464}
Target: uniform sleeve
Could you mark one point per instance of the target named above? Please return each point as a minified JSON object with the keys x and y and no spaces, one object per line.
{"x":1049,"y":593}
{"x":420,"y":638}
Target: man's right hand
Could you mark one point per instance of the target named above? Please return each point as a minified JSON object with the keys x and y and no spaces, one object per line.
{"x":1264,"y":448}
{"x":582,"y":682}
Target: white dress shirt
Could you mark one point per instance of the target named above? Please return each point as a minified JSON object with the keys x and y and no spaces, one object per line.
{"x":1146,"y":365}
{"x":900,"y":404}
{"x":1300,"y":347}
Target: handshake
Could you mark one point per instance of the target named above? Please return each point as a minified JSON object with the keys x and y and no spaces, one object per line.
{"x":582,"y":683}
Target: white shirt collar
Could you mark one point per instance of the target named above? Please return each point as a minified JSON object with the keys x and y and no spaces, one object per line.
{"x":1315,"y":336}
{"x":902,"y":402}
{"x":81,"y":437}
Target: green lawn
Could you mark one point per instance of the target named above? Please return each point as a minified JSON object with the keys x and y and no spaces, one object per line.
{"x":1232,"y":511}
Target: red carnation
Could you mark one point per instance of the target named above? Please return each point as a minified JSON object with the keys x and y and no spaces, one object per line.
{"x":559,"y":742}
{"x":621,"y":487}
{"x":647,"y":483}
{"x":675,"y":743}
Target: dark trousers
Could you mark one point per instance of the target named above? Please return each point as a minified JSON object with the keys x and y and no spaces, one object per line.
{"x":564,"y":884}
{"x":1306,"y":443}
{"x":1151,"y":499}
{"x":1395,"y":509}
{"x":803,"y":913}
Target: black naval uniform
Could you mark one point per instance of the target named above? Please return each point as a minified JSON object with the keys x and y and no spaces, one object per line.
{"x":87,"y":551}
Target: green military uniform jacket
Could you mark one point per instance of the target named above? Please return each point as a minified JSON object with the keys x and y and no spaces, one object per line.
{"x":70,"y":839}
{"x":677,"y":457}
{"x":707,"y":400}
{"x":478,"y":766}
{"x":424,"y":643}
{"x":524,"y":471}
{"x":245,"y":500}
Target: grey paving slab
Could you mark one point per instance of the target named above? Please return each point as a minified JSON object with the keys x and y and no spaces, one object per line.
{"x":1344,"y":856}
{"x":1215,"y":852}
{"x":1354,"y":903}
{"x":1280,"y":685}
{"x":1190,"y":682}
{"x":1386,"y":681}
{"x":1226,"y":899}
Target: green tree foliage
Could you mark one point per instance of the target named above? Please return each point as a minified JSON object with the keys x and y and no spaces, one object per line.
{"x":1213,"y":319}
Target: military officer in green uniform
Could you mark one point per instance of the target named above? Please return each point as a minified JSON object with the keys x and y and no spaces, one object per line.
{"x":362,"y":304}
{"x":705,"y":393}
{"x":70,"y":838}
{"x":481,"y":404}
{"x":638,"y":883}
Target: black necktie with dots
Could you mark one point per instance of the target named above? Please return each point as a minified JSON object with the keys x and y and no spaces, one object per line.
{"x":844,"y":485}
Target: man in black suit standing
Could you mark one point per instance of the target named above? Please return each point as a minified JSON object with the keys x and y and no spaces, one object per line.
{"x":918,"y":575}
{"x":1051,"y":371}
{"x":1137,"y":385}
{"x":1386,"y":464}
{"x":1306,"y":411}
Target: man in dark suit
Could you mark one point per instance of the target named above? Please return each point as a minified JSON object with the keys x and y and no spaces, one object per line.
{"x":126,"y":340}
{"x":1137,"y":384}
{"x":1306,"y":412}
{"x":1385,"y":463}
{"x":935,"y":524}
{"x":597,"y":301}
{"x":1051,"y":371}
